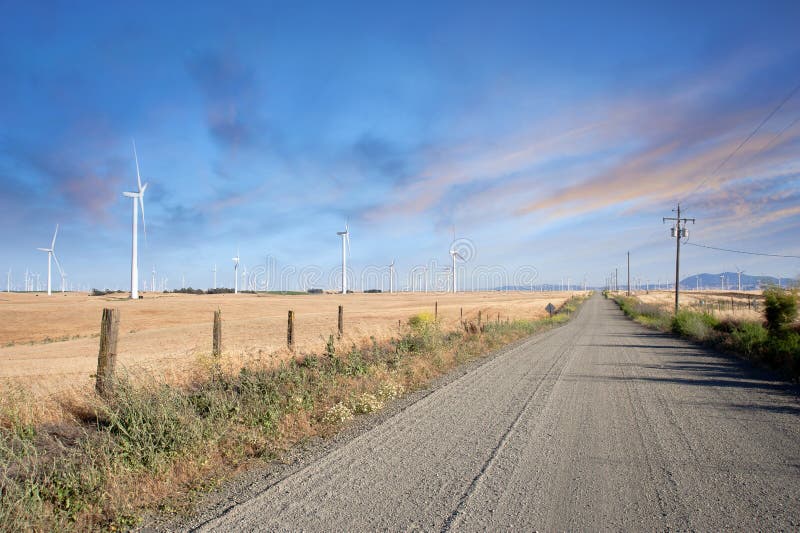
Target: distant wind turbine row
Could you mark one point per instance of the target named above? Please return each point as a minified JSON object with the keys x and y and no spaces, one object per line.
{"x":137,"y":198}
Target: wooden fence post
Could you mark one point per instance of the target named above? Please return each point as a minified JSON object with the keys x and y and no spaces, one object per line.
{"x":479,"y":318}
{"x":462,"y":314}
{"x":341,"y":321}
{"x":216,"y":349}
{"x":290,"y":331}
{"x":436,"y":311}
{"x":107,"y":357}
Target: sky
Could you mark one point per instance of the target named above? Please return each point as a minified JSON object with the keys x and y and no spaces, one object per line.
{"x":544,"y":142}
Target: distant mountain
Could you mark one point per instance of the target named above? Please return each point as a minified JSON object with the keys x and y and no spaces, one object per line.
{"x":730,"y":281}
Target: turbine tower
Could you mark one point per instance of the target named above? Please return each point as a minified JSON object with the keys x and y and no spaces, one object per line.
{"x":236,"y":273}
{"x":215,"y":275}
{"x":391,"y":277}
{"x":739,"y":272}
{"x":153,"y":281}
{"x":345,"y":235}
{"x":50,"y":253}
{"x":8,"y":281}
{"x":453,"y":255}
{"x":138,"y":200}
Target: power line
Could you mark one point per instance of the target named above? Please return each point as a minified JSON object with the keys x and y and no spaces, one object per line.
{"x":741,"y":251}
{"x":747,"y":139}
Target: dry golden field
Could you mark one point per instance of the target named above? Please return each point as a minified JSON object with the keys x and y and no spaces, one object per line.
{"x":50,"y":344}
{"x":741,"y":305}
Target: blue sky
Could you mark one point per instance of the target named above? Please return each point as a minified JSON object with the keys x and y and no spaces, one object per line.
{"x":552,"y":137}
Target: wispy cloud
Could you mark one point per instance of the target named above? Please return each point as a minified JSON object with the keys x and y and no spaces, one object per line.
{"x":631,"y":153}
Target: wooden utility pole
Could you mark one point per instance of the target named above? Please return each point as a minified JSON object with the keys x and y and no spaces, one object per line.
{"x":341,"y":321}
{"x":680,"y":232}
{"x":216,"y":349}
{"x":107,"y":357}
{"x":629,"y":273}
{"x":290,"y":331}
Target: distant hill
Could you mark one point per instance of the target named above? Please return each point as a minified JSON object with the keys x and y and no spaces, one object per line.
{"x":731,"y":281}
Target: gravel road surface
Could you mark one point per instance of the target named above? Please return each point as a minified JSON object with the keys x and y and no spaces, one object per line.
{"x":600,"y":424}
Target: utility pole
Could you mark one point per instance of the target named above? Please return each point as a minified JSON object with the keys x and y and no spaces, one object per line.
{"x":616,"y":279}
{"x":678,"y":231}
{"x":629,"y":273}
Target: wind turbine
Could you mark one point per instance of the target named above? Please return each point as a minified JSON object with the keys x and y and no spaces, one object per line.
{"x":153,"y":281}
{"x":8,"y":281}
{"x":236,"y":273}
{"x":138,"y":199}
{"x":215,"y":275}
{"x":453,"y":255}
{"x":391,"y":277}
{"x":345,"y":235}
{"x":50,"y":253}
{"x":739,"y":272}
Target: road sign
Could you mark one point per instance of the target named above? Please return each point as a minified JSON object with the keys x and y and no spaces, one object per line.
{"x":550,"y":309}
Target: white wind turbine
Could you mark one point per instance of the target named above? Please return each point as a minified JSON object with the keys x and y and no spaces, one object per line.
{"x":153,"y":280}
{"x":138,"y":200}
{"x":8,"y":281}
{"x":345,"y":235}
{"x":453,"y":255}
{"x":215,"y":275}
{"x":739,"y":273}
{"x":236,"y":273}
{"x":391,"y":277}
{"x":50,"y":254}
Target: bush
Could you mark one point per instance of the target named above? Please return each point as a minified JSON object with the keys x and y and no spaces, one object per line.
{"x":780,"y":308}
{"x":421,"y":322}
{"x":695,"y":325}
{"x":748,"y":339}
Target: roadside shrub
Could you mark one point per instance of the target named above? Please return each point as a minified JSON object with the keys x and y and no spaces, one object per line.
{"x":338,"y":413}
{"x":420,"y":322}
{"x":367,"y":403}
{"x":149,"y":425}
{"x":694,"y":325}
{"x":780,"y":308}
{"x":748,"y":339}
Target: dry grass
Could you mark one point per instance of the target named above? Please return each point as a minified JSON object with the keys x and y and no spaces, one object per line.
{"x":49,"y":344}
{"x":165,"y":443}
{"x":747,"y":305}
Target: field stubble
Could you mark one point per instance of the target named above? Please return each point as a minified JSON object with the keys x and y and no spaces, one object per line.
{"x":49,"y":344}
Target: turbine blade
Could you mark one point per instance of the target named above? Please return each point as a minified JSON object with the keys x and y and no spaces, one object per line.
{"x":141,"y":204}
{"x":53,"y":245}
{"x":43,"y":249}
{"x":136,"y":158}
{"x":60,"y":270}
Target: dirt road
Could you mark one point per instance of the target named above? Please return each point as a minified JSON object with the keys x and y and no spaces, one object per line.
{"x":600,"y":424}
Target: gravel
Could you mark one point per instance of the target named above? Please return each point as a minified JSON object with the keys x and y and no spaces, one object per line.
{"x":599,"y":424}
